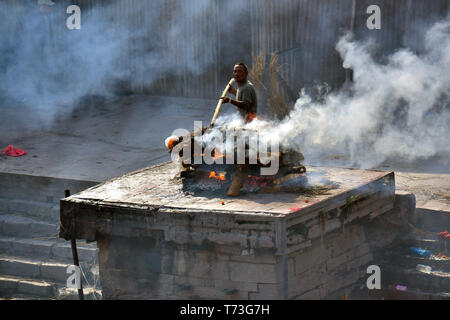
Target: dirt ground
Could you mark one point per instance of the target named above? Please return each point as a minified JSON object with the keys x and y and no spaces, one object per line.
{"x":125,"y":134}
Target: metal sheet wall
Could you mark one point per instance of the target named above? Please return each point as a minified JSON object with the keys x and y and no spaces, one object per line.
{"x":314,"y":27}
{"x":311,"y":26}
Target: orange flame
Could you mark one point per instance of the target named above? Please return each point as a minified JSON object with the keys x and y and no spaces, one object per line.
{"x":171,"y":143}
{"x":251,"y":117}
{"x":214,"y":175}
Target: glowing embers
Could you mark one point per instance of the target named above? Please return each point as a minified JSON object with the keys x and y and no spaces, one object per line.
{"x":255,"y":183}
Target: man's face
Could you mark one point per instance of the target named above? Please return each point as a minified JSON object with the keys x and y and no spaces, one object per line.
{"x":239,"y":73}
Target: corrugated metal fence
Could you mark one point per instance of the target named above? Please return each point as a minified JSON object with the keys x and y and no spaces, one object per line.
{"x":304,"y":31}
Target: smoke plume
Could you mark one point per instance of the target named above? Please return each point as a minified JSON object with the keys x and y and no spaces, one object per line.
{"x":396,"y":109}
{"x":46,"y":70}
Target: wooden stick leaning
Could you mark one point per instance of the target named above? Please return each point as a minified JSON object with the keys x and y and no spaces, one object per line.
{"x":219,"y":104}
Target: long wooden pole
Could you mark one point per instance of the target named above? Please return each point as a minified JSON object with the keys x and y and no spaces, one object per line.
{"x":76,"y":262}
{"x":349,"y":72}
{"x":219,"y":104}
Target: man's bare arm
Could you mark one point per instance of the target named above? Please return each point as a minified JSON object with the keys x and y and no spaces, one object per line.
{"x":240,"y":104}
{"x":232,"y":90}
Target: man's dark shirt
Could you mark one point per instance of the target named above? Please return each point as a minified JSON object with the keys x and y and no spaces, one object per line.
{"x":247,"y":95}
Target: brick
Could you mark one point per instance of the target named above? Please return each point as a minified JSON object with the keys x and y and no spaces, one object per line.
{"x":309,"y":258}
{"x":316,"y":231}
{"x":361,"y":261}
{"x":256,"y":257}
{"x":126,"y":284}
{"x":362,"y":250}
{"x":213,"y":293}
{"x":344,"y":258}
{"x":291,"y":267}
{"x":266,"y":292}
{"x":200,"y":265}
{"x":265,"y":242}
{"x":250,"y":272}
{"x":184,"y":282}
{"x":228,"y":249}
{"x":314,"y":294}
{"x":233,"y":285}
{"x":347,"y":241}
{"x":165,"y":289}
{"x":306,"y":281}
{"x":339,"y":283}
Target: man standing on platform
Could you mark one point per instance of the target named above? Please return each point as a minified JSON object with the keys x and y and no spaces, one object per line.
{"x":247,"y":104}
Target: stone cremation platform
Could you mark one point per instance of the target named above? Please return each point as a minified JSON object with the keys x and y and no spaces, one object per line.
{"x":158,"y":240}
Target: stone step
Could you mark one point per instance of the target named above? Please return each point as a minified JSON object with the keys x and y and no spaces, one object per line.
{"x":433,"y":245}
{"x":19,"y":296}
{"x":389,"y":291}
{"x":16,"y":288}
{"x":432,"y":220}
{"x":46,"y":249}
{"x":400,"y":255}
{"x":44,"y":270}
{"x":43,"y":211}
{"x":19,"y":226}
{"x":19,"y":285}
{"x":37,"y":188}
{"x":411,"y":294}
{"x":441,"y":263}
{"x":90,"y":293}
{"x":435,"y":282}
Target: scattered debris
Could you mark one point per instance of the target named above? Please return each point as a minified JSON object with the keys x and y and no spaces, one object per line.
{"x":423,"y":268}
{"x":420,"y":252}
{"x":401,"y":288}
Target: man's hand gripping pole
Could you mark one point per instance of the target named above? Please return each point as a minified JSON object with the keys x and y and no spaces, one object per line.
{"x":219,"y":104}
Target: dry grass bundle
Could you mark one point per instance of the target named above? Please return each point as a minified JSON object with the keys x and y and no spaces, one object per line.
{"x":256,"y":73}
{"x":277,"y":103}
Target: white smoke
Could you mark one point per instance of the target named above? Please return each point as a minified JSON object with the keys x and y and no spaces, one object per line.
{"x":398,"y":109}
{"x":46,"y":69}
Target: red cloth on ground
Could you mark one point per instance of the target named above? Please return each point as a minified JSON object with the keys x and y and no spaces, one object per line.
{"x":13,"y":152}
{"x":442,"y":235}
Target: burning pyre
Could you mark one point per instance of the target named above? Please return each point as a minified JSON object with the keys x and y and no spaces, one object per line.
{"x":218,"y":176}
